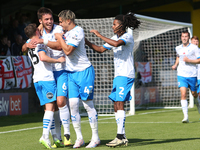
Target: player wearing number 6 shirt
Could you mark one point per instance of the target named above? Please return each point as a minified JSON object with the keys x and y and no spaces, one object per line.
{"x":186,"y":72}
{"x":48,"y":29}
{"x":43,"y":79}
{"x":81,"y":76}
{"x":122,"y":44}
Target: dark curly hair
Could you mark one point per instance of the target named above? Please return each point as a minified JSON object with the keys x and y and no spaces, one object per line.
{"x":127,"y":21}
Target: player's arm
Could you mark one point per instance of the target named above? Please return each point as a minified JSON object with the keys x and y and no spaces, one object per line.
{"x":45,"y":58}
{"x":68,"y":49}
{"x":176,"y":63}
{"x":54,"y":45}
{"x":107,"y":40}
{"x":194,"y":61}
{"x":99,"y":49}
{"x":26,"y":46}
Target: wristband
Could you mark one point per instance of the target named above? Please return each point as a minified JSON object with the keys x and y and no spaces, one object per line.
{"x":45,"y":41}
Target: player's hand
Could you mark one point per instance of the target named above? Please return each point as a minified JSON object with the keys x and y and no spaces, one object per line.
{"x":95,"y":32}
{"x":61,"y":59}
{"x":40,"y":28}
{"x":58,"y":35}
{"x":31,"y":45}
{"x":36,"y":41}
{"x":174,"y":67}
{"x":185,"y":59}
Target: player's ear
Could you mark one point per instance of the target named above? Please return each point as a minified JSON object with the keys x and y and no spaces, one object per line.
{"x":40,"y":21}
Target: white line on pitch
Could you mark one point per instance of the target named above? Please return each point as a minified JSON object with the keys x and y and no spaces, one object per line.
{"x":81,"y":122}
{"x":21,"y":130}
{"x":140,"y":122}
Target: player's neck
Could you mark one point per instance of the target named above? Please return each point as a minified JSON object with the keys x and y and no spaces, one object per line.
{"x":35,"y":37}
{"x":48,"y":31}
{"x":186,"y":44}
{"x":121,"y":33}
{"x":72,"y":26}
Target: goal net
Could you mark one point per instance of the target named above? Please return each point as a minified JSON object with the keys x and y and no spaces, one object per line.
{"x":155,"y":43}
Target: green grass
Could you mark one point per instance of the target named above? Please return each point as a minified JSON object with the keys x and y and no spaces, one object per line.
{"x":147,"y":130}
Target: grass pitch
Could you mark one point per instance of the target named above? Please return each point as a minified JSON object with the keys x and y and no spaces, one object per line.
{"x":147,"y":130}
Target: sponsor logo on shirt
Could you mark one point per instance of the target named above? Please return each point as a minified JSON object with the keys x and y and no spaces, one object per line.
{"x":75,"y":37}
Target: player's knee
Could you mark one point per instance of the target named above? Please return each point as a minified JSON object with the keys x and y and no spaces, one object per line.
{"x":194,"y":94}
{"x":120,"y":105}
{"x":61,"y":101}
{"x":74,"y":104}
{"x":88,"y":105}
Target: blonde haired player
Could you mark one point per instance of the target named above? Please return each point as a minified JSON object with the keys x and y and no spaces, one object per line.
{"x":81,"y":76}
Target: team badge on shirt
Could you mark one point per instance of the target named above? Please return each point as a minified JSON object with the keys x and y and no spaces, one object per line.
{"x":49,"y":95}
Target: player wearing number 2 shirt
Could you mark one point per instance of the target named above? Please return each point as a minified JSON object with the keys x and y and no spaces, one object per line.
{"x":43,"y":79}
{"x":122,"y":45}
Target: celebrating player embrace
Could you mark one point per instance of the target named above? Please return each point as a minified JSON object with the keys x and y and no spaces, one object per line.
{"x":81,"y":76}
{"x":43,"y":79}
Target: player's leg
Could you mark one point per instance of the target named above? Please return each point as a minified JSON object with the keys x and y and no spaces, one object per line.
{"x":56,"y":129}
{"x":197,"y":100}
{"x":93,"y":120}
{"x":192,"y":85}
{"x":62,"y":93}
{"x":184,"y":103}
{"x":183,"y":85}
{"x":74,"y":108}
{"x":76,"y":121}
{"x":65,"y":118}
{"x":86,"y":94}
{"x":120,"y":94}
{"x":46,"y":91}
{"x":47,"y":121}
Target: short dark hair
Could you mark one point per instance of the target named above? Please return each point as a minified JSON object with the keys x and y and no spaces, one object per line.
{"x":42,"y":11}
{"x":183,"y":32}
{"x":30,"y":30}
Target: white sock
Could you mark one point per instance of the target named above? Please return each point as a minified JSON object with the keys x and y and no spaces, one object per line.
{"x":65,"y":118}
{"x":93,"y":118}
{"x":58,"y":124}
{"x":53,"y":129}
{"x":75,"y":116}
{"x":47,"y":121}
{"x":184,"y":105}
{"x":121,"y":116}
{"x":123,"y":131}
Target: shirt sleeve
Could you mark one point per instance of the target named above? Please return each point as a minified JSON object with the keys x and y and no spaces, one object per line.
{"x":177,"y":55}
{"x":58,"y":29}
{"x":42,"y":47}
{"x":75,"y":38}
{"x":197,"y":52}
{"x":126,"y":38}
{"x":108,"y":46}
